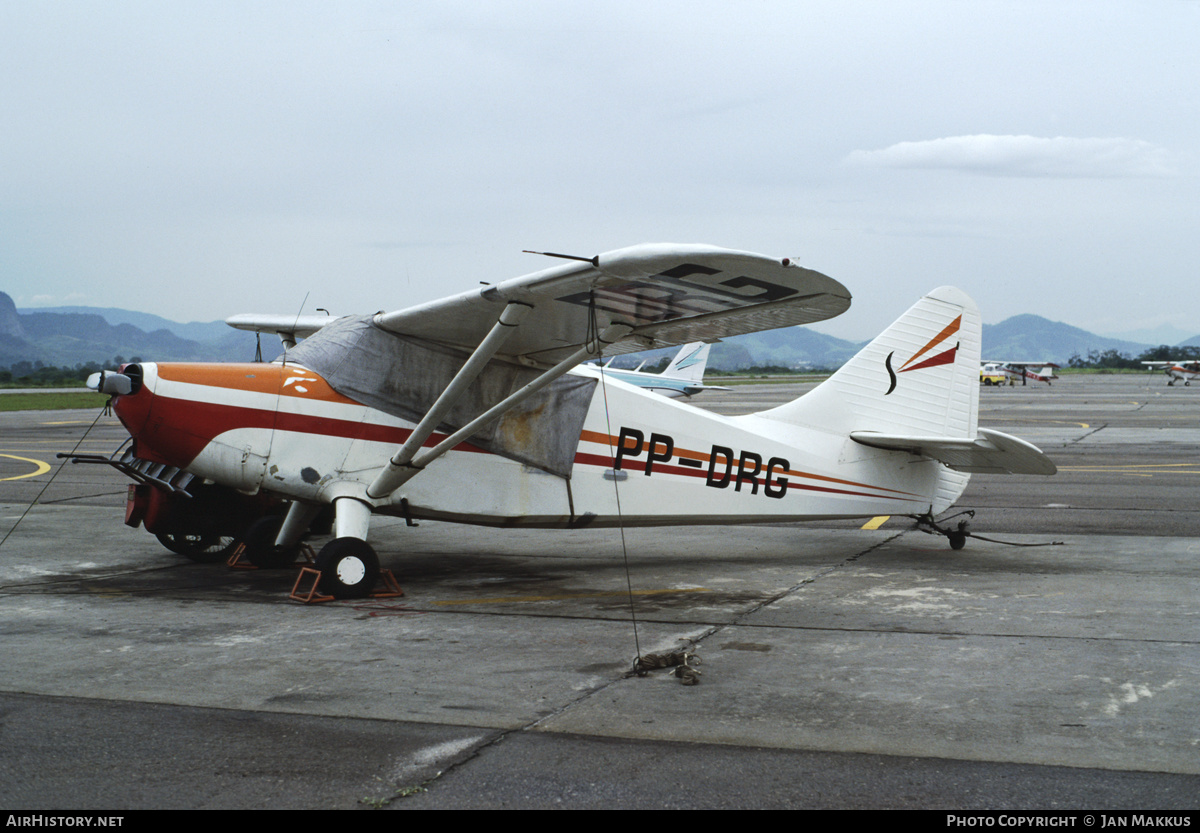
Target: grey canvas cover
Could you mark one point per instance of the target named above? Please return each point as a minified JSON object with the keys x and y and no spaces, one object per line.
{"x":403,"y":377}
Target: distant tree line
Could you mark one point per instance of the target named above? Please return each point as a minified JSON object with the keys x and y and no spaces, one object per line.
{"x":38,"y":375}
{"x":1114,"y":360}
{"x":771,"y":370}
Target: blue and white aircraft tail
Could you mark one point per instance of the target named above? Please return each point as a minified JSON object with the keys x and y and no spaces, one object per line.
{"x":683,"y":377}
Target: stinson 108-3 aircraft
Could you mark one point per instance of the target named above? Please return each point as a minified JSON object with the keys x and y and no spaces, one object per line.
{"x":476,"y":409}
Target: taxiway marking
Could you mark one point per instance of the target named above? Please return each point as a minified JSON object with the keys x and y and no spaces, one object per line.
{"x":42,"y":468}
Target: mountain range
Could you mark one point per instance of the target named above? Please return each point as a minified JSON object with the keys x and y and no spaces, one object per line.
{"x":67,"y":336}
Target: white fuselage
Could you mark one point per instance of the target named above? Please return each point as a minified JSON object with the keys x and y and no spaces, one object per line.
{"x":283,"y":430}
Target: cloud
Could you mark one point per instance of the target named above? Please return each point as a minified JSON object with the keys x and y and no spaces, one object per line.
{"x":1023,"y":156}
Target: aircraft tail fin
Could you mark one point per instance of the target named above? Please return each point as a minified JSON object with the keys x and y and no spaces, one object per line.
{"x":689,"y":363}
{"x":919,"y":379}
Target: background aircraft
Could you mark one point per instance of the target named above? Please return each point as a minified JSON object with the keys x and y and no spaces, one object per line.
{"x":1178,"y":371}
{"x":991,"y":370}
{"x":684,"y":376}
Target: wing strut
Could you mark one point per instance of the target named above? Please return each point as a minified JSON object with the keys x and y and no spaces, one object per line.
{"x":504,"y":327}
{"x":407,"y":463}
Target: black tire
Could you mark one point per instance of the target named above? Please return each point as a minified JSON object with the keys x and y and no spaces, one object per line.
{"x":203,"y":549}
{"x":349,"y":568}
{"x":260,"y":544}
{"x":958,"y":539}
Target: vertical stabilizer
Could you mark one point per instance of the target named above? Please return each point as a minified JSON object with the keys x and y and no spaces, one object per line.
{"x":689,"y":363}
{"x":920,"y":377}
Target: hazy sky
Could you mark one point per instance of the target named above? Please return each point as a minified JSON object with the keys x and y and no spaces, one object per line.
{"x":200,"y":159}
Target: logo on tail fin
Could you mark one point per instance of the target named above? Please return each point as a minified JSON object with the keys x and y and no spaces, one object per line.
{"x":945,"y":357}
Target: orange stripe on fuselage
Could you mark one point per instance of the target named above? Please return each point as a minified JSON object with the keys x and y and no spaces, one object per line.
{"x":287,"y":380}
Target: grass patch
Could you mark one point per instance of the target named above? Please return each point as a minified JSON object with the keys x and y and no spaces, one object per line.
{"x":51,"y":401}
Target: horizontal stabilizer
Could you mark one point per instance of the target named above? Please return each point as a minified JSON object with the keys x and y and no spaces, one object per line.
{"x":991,"y":452}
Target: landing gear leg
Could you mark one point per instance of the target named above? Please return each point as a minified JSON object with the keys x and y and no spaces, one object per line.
{"x":299,"y":517}
{"x":349,"y":567}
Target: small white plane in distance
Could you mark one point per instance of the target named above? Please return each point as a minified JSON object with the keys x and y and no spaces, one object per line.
{"x":476,"y":409}
{"x":684,"y":376}
{"x":1017,"y":370}
{"x":1178,"y":371}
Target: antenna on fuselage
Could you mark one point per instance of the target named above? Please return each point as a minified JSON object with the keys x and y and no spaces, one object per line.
{"x":295,"y":324}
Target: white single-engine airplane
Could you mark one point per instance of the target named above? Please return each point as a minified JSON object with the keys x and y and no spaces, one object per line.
{"x":1178,"y":371}
{"x":475,"y":409}
{"x":684,"y":376}
{"x":1019,"y":370}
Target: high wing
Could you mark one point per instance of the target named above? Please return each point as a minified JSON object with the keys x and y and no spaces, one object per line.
{"x":666,"y":294}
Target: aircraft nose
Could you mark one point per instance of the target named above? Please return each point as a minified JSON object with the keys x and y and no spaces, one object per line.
{"x":109,"y":381}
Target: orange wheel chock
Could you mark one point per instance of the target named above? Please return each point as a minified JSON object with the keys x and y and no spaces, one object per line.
{"x":391,"y":588}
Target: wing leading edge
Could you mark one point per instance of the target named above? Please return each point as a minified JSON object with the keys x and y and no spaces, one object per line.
{"x":666,"y":294}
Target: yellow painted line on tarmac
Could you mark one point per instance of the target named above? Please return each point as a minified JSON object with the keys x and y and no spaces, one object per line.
{"x":876,"y":522}
{"x":567,"y":596}
{"x":42,"y":468}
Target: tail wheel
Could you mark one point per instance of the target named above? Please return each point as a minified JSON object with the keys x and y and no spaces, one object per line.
{"x":349,"y":568}
{"x":260,"y":544}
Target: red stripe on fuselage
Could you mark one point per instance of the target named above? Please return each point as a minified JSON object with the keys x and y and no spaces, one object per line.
{"x":179,"y":429}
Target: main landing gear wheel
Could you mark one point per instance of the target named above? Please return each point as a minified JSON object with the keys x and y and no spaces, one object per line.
{"x":349,"y":568}
{"x":203,"y":549}
{"x":260,"y":544}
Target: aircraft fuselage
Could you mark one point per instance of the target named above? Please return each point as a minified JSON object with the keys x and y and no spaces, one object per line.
{"x":283,"y":430}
